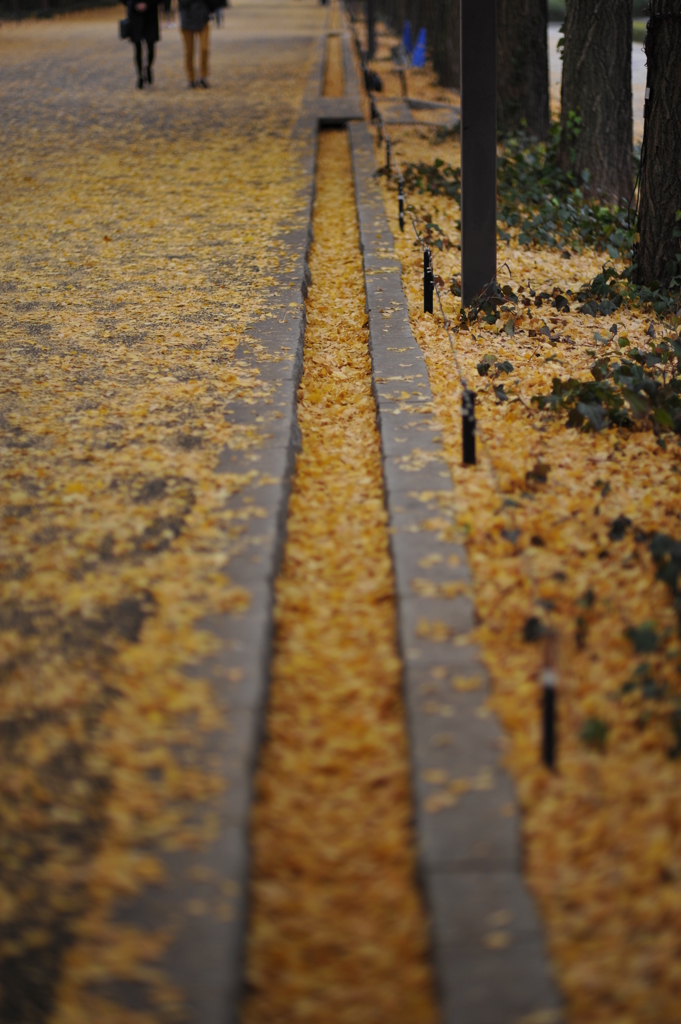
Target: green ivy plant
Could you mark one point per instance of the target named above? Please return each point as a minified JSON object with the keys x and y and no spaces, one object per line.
{"x":636,"y":386}
{"x":534,"y":194}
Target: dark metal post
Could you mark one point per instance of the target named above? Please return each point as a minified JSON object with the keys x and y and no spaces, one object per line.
{"x":388,"y":154}
{"x":400,"y":203}
{"x":549,"y":682}
{"x":478,"y":147}
{"x":371,"y":29}
{"x":427,"y":282}
{"x":549,"y":724}
{"x":468,"y":426}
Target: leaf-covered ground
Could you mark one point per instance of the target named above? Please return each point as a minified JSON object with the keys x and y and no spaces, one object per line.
{"x":140,"y":235}
{"x":338,"y":931}
{"x":559,"y":525}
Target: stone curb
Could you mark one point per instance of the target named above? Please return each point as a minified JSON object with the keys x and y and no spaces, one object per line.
{"x":487,"y":941}
{"x":204,"y":900}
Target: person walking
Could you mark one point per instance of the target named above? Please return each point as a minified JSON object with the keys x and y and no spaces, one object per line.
{"x":143,"y":15}
{"x":194,"y":15}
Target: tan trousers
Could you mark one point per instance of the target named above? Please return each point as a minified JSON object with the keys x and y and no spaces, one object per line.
{"x":189,"y":51}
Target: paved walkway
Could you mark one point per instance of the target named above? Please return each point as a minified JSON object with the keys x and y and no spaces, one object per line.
{"x":153,"y":275}
{"x":141,"y":246}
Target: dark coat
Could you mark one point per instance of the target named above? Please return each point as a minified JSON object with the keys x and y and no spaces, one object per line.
{"x":143,"y":24}
{"x":193,"y":14}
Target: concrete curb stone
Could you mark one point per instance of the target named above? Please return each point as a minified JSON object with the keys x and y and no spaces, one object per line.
{"x":204,"y":900}
{"x":488,"y":946}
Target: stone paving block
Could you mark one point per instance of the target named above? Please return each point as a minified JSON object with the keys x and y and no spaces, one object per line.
{"x":349,"y":68}
{"x":421,"y":654}
{"x":383,"y":290}
{"x":407,"y":445}
{"x":457,"y":745}
{"x":274,"y":463}
{"x":420,"y":506}
{"x":236,"y":746}
{"x":468,"y":906}
{"x":261,"y":510}
{"x":242,"y":626}
{"x":236,"y":671}
{"x":257,"y":458}
{"x":398,"y":367}
{"x":435,"y":619}
{"x":501,"y":986}
{"x":272,"y":423}
{"x":284,"y":366}
{"x":336,"y":112}
{"x":480,"y":832}
{"x":398,"y":437}
{"x":256,"y":561}
{"x":204,"y":903}
{"x":422,"y":556}
{"x":401,"y":475}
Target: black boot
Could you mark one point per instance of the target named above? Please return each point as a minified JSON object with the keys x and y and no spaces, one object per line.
{"x":140,"y":82}
{"x":149,"y":75}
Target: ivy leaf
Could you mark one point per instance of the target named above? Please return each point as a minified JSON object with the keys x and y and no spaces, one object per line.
{"x":594,"y":733}
{"x":594,"y":413}
{"x":619,"y":527}
{"x":539,"y":473}
{"x":662,"y":417}
{"x":639,"y":404}
{"x":643,"y":637}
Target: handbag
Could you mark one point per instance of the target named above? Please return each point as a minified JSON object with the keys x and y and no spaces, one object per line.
{"x":124,"y":28}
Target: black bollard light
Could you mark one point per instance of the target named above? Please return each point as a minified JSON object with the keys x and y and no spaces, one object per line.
{"x":400,"y":203}
{"x":549,"y":718}
{"x":427,"y":282}
{"x":549,"y":684}
{"x":468,"y":426}
{"x":388,"y":154}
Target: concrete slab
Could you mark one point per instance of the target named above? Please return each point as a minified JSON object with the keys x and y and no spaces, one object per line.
{"x":335,"y":112}
{"x":497,"y":986}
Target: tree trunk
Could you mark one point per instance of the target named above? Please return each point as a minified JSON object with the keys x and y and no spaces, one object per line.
{"x":371,"y":28}
{"x":393,"y":14}
{"x":597,"y":88}
{"x":444,"y":39}
{"x":660,"y":195}
{"x":522,"y":66}
{"x":445,"y":43}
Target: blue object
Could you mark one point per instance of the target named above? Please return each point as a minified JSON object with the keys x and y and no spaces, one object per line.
{"x":418,"y":57}
{"x":406,"y":36}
